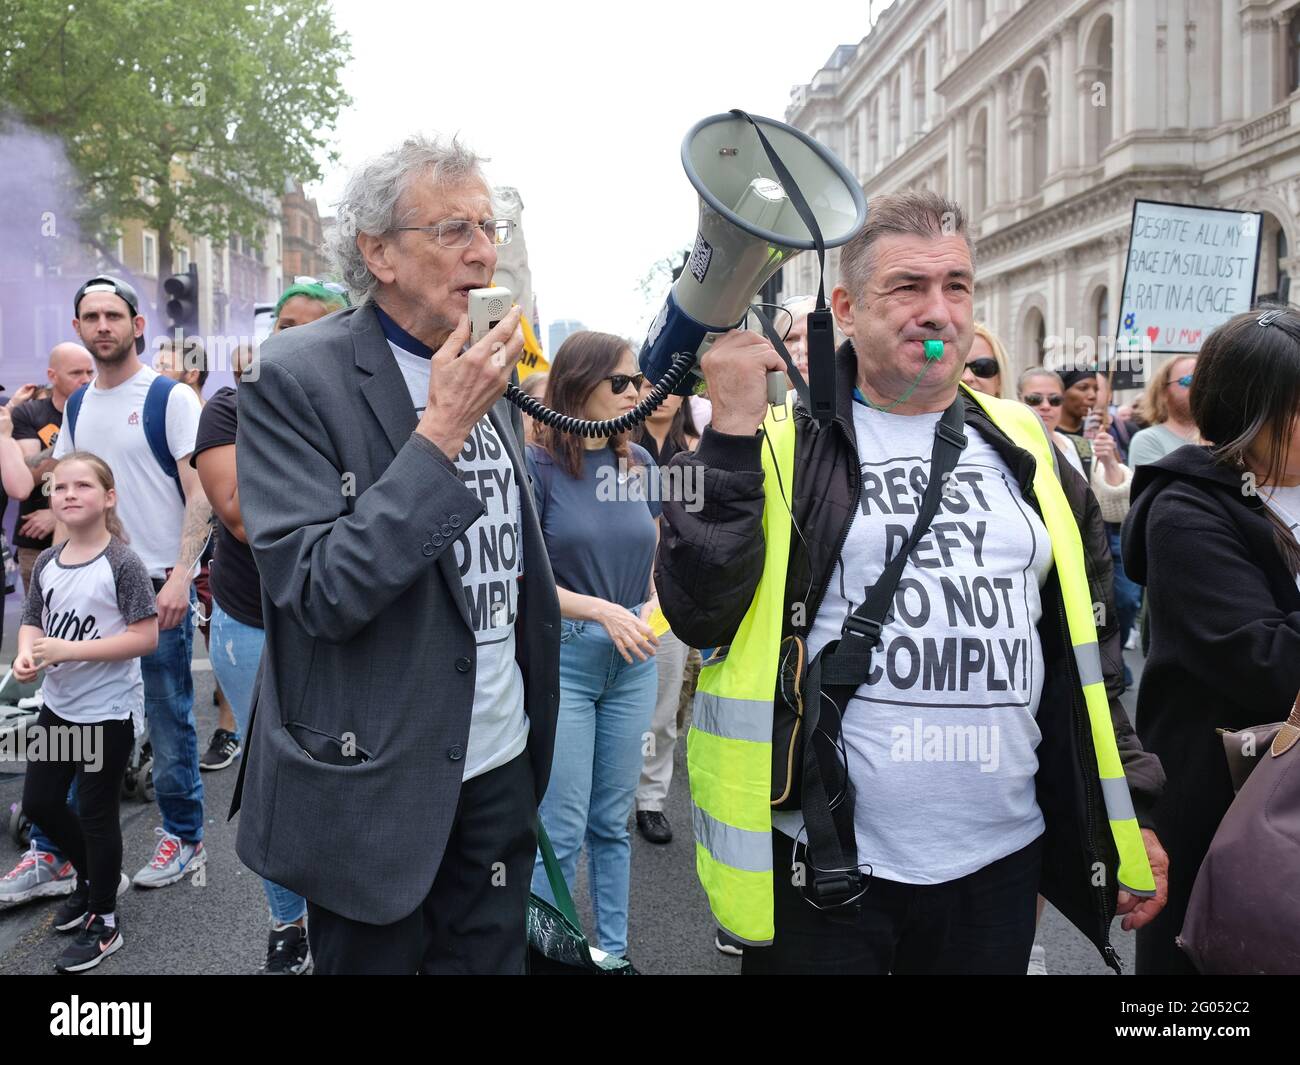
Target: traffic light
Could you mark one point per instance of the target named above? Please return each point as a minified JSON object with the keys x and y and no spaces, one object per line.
{"x":183,"y":302}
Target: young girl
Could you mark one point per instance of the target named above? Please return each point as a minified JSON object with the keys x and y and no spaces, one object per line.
{"x":90,"y":614}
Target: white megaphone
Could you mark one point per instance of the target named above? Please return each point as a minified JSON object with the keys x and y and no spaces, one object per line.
{"x":749,"y":226}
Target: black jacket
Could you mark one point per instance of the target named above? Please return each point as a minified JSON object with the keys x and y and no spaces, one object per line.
{"x":710,"y":562}
{"x":1224,"y":616}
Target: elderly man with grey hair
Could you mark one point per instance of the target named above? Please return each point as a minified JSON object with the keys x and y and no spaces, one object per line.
{"x":964,"y":752}
{"x":405,"y":716}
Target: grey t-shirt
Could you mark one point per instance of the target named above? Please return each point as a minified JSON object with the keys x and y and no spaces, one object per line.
{"x":91,"y":601}
{"x":1151,"y":445}
{"x":600,"y":527}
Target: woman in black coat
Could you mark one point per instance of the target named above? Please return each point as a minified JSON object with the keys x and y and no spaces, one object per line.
{"x":1212,"y":533}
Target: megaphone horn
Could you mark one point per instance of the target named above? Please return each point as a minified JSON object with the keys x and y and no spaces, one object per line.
{"x":748,"y":227}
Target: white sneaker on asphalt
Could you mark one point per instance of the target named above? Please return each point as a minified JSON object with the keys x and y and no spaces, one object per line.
{"x":172,"y":859}
{"x":38,"y":875}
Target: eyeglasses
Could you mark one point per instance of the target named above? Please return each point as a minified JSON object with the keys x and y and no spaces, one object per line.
{"x":1036,"y":399}
{"x":459,"y":233}
{"x":1185,"y":381}
{"x":618,"y":382}
{"x":983,"y":368}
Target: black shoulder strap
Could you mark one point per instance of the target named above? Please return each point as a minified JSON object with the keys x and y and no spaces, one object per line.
{"x":842,"y":667}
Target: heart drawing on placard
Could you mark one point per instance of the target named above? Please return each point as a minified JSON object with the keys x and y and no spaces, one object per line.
{"x":1153,"y":331}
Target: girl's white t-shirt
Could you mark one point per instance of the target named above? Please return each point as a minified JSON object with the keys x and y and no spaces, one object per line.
{"x":91,"y":600}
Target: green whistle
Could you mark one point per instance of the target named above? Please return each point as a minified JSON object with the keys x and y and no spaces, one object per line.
{"x":934,"y":349}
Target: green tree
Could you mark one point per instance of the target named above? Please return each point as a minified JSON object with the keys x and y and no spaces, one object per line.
{"x":183,"y":115}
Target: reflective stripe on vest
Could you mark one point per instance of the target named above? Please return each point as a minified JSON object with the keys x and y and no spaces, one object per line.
{"x":729,"y":748}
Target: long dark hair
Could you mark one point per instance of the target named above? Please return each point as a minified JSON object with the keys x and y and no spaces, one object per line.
{"x":577,"y":370}
{"x":1246,"y":394}
{"x":681,"y":431}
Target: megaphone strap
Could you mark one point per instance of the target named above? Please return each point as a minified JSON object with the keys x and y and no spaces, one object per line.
{"x":797,"y":201}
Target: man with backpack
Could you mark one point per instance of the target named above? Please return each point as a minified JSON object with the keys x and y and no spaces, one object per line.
{"x":144,"y":427}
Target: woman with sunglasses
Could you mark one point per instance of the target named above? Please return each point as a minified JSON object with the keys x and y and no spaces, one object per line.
{"x":597,"y":507}
{"x":1167,"y":408}
{"x":987,"y":369}
{"x":1212,"y":534}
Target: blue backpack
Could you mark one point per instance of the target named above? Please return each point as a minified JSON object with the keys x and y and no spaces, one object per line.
{"x":155,"y":424}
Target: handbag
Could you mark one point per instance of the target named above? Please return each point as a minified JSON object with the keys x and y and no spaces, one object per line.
{"x":556,"y":944}
{"x":1241,"y":917}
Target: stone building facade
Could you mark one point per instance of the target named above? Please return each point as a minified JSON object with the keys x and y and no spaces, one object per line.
{"x":1046,"y":119}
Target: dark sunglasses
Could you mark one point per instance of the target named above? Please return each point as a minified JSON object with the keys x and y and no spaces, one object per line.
{"x":983,"y":368}
{"x":1035,"y":399}
{"x":618,"y":382}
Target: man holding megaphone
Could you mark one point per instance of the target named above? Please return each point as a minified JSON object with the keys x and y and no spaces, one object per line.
{"x":908,"y":725}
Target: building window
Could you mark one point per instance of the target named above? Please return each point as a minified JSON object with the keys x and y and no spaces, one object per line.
{"x":1101,"y":57}
{"x":1034,"y":133}
{"x":181,"y":257}
{"x":149,"y":255}
{"x":1293,"y":53}
{"x":918,"y":91}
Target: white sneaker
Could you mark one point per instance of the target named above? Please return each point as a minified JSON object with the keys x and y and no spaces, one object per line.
{"x":1037,"y":962}
{"x":172,"y":859}
{"x":1131,"y":644}
{"x":36,"y":876}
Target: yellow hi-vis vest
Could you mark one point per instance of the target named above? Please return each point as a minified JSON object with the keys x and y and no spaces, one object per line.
{"x":729,"y":746}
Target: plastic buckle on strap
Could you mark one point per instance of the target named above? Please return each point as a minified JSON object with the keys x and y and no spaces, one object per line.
{"x":839,"y":888}
{"x":953,"y":436}
{"x":863,"y":627}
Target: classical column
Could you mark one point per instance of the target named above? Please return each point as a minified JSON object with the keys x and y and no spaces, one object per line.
{"x":1257,"y":45}
{"x":1056,"y":99}
{"x":1140,"y":68}
{"x":1021,"y":127}
{"x":1066,"y":116}
{"x":1086,"y":118}
{"x":1000,"y":148}
{"x":933,"y":104}
{"x":905,"y":92}
{"x":1230,"y":80}
{"x":862,"y":164}
{"x":959,"y":180}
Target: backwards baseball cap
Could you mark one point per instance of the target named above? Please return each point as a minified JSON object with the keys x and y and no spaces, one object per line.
{"x":118,"y":287}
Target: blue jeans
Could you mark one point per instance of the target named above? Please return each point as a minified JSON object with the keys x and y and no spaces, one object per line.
{"x":236,"y":650}
{"x":605,"y":711}
{"x":1128,"y":595}
{"x":169,"y":708}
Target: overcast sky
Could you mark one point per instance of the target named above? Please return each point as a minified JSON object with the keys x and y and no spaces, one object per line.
{"x":582,"y":107}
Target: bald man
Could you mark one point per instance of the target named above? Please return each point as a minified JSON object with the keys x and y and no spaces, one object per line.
{"x":36,"y":427}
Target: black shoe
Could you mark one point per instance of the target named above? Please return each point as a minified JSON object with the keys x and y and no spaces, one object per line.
{"x":95,"y":942}
{"x":221,"y":751}
{"x":71,"y":914}
{"x":287,"y":953}
{"x":654,"y":826}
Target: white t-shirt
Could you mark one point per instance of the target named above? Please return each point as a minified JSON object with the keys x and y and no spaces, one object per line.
{"x":490,"y":559}
{"x":91,"y":601}
{"x":111,"y":424}
{"x":941,"y":739}
{"x":1285,"y":503}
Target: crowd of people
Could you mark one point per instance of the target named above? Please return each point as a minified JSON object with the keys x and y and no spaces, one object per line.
{"x":958,"y":552}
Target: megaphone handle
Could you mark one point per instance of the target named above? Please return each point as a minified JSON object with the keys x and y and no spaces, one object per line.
{"x":776,"y":390}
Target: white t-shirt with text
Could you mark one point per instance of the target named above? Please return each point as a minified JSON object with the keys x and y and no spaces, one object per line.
{"x":490,"y":559}
{"x":941,"y":739}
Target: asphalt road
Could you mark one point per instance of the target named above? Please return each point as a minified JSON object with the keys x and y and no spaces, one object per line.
{"x":221,"y":927}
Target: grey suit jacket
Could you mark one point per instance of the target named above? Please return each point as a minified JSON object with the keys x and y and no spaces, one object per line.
{"x":352,"y":521}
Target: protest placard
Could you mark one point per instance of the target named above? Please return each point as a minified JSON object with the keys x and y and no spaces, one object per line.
{"x":1189,"y":269}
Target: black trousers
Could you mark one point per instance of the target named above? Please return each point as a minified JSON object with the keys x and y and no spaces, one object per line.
{"x":979,"y":924}
{"x":473,"y":919}
{"x":92,"y":840}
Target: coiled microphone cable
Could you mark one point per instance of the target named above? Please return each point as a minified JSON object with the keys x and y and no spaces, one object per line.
{"x":534,"y":408}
